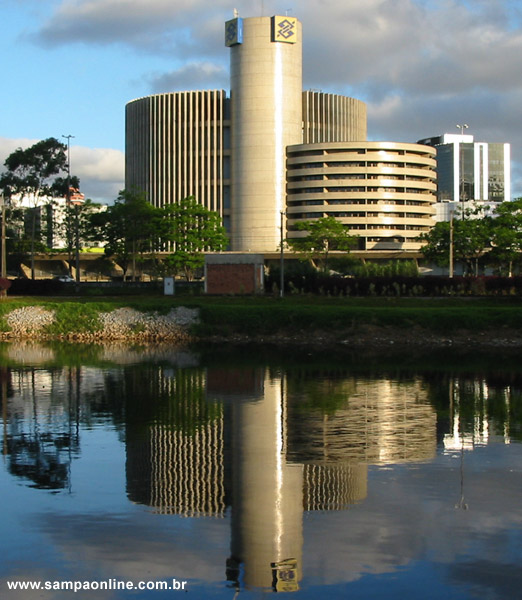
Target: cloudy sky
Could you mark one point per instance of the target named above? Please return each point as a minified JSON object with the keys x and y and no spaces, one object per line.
{"x":422,"y":66}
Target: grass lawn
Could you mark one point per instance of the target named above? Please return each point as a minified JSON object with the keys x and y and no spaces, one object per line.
{"x":267,"y":315}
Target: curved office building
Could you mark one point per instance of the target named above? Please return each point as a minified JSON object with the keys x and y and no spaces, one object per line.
{"x":175,"y":147}
{"x":332,"y":118}
{"x":383,"y":192}
{"x":270,"y":155}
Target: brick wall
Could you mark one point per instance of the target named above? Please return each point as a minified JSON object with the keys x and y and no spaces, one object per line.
{"x":231,"y":279}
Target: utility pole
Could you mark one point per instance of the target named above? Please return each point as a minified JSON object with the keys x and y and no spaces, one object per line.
{"x":3,"y":267}
{"x":68,"y":204}
{"x":451,"y":245}
{"x":282,"y":259}
{"x":462,"y":183}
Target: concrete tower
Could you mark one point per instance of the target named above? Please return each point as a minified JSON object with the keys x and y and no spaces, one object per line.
{"x":266,"y":117}
{"x":267,"y":492}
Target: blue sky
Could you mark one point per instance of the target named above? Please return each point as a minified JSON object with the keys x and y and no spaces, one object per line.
{"x":422,"y":66}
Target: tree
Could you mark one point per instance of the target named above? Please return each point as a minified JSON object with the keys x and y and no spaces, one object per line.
{"x":129,"y":227}
{"x":323,"y":235}
{"x":471,"y":237}
{"x":192,"y":229}
{"x":30,"y":175}
{"x":73,"y":222}
{"x":506,"y":238}
{"x":61,"y":188}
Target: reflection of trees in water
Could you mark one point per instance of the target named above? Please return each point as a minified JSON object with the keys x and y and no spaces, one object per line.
{"x":41,"y":425}
{"x":173,"y":398}
{"x":40,"y":459}
{"x":480,"y":409}
{"x":477,"y":406}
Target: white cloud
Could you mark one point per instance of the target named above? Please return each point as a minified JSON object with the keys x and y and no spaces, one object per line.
{"x":101,"y":172}
{"x":421,"y":65}
{"x":157,"y":26}
{"x":193,"y":75}
{"x":8,"y":145}
{"x":412,"y":46}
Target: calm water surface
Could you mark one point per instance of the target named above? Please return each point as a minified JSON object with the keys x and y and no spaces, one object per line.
{"x":320,"y":476}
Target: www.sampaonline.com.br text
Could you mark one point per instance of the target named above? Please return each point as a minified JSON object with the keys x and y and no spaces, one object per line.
{"x":108,"y":584}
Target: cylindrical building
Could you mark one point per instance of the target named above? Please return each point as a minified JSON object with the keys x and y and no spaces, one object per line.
{"x":266,"y":117}
{"x":383,"y":192}
{"x":175,"y":147}
{"x":332,"y":118}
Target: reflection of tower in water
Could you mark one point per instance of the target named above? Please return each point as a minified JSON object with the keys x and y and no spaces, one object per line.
{"x":267,"y":504}
{"x":272,"y":450}
{"x":288,"y":459}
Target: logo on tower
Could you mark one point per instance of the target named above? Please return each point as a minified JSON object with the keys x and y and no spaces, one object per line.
{"x":234,"y":32}
{"x":284,"y":29}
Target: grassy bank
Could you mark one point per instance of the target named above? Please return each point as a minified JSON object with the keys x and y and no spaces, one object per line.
{"x":299,"y":316}
{"x":348,"y":318}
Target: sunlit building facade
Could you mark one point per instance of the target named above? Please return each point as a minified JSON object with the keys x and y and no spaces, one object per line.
{"x":470,"y":173}
{"x":229,"y":151}
{"x":177,"y":146}
{"x":245,"y":155}
{"x":383,"y":192}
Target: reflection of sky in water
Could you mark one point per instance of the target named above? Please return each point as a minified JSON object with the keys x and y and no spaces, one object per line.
{"x":408,"y":537}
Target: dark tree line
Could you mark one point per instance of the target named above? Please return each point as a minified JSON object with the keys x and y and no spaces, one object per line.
{"x":491,"y":237}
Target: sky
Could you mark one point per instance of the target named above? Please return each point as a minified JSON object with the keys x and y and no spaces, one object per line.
{"x":422,"y":66}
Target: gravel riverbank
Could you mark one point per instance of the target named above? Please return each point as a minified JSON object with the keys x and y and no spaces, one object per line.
{"x":121,"y":324}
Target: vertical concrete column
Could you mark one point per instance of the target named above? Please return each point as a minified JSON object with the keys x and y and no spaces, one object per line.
{"x":266,"y":117}
{"x":267,"y":504}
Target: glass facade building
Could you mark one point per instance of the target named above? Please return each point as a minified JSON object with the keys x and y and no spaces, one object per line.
{"x":469,"y":171}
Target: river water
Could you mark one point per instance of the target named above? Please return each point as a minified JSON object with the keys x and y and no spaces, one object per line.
{"x":237,"y":473}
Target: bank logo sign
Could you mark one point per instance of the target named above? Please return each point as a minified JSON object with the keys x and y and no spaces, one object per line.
{"x":284,"y":29}
{"x":234,"y":32}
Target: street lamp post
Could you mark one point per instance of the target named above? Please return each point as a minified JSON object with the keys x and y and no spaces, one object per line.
{"x":461,"y":163}
{"x":68,"y":200}
{"x":462,"y":127}
{"x":451,"y":245}
{"x":3,"y":267}
{"x":282,"y":258}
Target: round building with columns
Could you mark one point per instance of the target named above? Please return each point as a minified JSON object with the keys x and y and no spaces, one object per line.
{"x":382,"y":191}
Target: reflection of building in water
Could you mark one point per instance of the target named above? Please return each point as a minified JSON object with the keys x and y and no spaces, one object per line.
{"x":40,"y":409}
{"x":334,"y":487}
{"x":175,"y":462}
{"x":471,"y":423}
{"x":284,"y":460}
{"x":186,"y":470}
{"x":375,"y":422}
{"x":267,"y":494}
